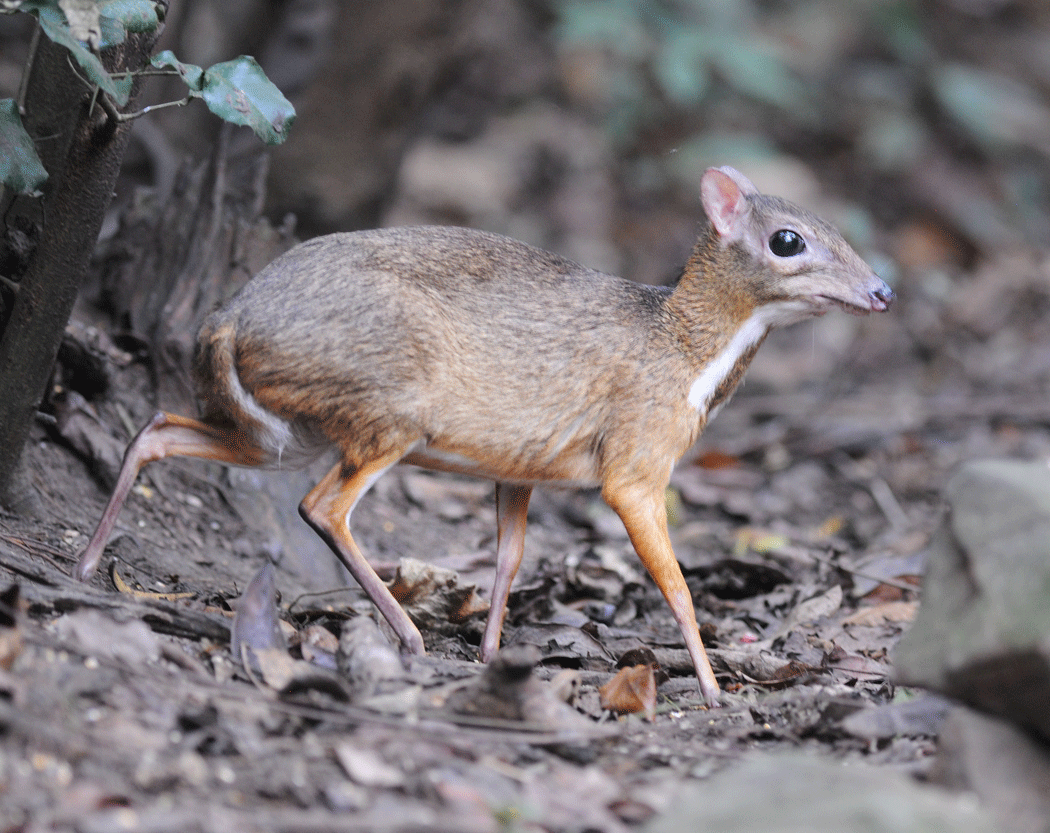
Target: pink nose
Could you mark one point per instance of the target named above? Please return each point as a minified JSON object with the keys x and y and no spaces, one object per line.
{"x":881,"y":297}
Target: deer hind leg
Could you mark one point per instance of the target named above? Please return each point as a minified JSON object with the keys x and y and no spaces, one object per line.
{"x":167,"y":435}
{"x":512,"y":507}
{"x":644,"y":513}
{"x":327,"y":509}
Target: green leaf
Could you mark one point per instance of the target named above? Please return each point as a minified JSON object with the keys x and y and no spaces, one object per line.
{"x":20,"y":168}
{"x":54,"y":25}
{"x":680,"y":67}
{"x":239,"y":92}
{"x":995,"y":109}
{"x":191,"y":73}
{"x":752,"y":68}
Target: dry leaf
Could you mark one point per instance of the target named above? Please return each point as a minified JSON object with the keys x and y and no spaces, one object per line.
{"x":365,"y":767}
{"x":367,"y":659}
{"x":889,"y":612}
{"x":819,"y":607}
{"x":508,"y":690}
{"x":82,"y":17}
{"x":278,"y":668}
{"x":123,"y":587}
{"x":432,"y":595}
{"x":715,"y":459}
{"x":831,"y":527}
{"x":257,"y":625}
{"x":99,"y":635}
{"x":632,"y":690}
{"x":758,"y":540}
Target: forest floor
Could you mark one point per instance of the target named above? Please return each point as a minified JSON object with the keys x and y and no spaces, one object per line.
{"x":800,"y":520}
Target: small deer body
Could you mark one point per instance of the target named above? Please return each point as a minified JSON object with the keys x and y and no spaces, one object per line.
{"x":465,"y":351}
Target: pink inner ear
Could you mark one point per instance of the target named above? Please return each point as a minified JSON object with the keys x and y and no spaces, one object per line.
{"x":723,"y":202}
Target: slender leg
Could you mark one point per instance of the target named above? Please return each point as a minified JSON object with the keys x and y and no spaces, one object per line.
{"x":512,"y":507}
{"x":327,"y":509}
{"x":644,"y":513}
{"x":166,"y":435}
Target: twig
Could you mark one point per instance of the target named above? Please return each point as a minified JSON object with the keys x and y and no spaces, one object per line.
{"x":900,"y":585}
{"x":23,"y":86}
{"x":887,"y":502}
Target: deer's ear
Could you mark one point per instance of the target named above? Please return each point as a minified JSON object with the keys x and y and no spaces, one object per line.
{"x":724,"y":192}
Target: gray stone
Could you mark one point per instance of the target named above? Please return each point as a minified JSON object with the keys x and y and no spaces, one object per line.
{"x":799,"y":794}
{"x":1007,"y":769}
{"x":982,"y":634}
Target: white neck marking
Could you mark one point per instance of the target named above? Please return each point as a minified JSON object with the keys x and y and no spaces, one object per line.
{"x":761,"y":321}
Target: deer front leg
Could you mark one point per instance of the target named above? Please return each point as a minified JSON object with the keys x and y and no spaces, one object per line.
{"x":644,"y":513}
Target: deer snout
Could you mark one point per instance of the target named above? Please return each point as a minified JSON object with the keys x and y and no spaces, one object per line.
{"x":880,"y":296}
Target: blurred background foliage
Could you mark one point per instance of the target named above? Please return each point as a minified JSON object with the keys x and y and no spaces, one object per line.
{"x":922,"y":127}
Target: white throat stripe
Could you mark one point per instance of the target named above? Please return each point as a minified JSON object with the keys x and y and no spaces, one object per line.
{"x":750,"y":333}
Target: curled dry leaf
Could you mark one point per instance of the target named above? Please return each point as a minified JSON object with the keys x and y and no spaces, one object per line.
{"x":256,"y":627}
{"x":123,"y":587}
{"x":432,"y":595}
{"x":364,"y":766}
{"x":632,"y":690}
{"x":318,"y":645}
{"x":812,"y":609}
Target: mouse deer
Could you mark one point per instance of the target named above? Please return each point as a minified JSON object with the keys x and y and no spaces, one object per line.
{"x":469,"y":352}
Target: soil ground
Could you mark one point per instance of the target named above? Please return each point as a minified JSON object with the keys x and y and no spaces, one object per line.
{"x":800,"y":520}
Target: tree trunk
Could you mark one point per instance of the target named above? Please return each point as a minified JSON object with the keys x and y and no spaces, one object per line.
{"x":78,"y":193}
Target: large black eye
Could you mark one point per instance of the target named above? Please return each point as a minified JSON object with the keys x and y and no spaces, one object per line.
{"x":786,"y":243}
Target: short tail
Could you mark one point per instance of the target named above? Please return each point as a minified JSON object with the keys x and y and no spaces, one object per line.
{"x":226,"y":402}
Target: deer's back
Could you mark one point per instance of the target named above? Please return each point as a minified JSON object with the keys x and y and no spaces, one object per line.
{"x":462,"y":336}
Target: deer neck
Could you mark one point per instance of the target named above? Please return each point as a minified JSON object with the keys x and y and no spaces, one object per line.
{"x":719,"y":321}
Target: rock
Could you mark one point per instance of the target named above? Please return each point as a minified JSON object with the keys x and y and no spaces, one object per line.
{"x":793,"y":793}
{"x":1008,"y":770}
{"x":982,"y":634}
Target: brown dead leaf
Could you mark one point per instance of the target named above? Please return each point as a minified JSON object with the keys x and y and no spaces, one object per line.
{"x":788,"y":673}
{"x":433,"y":595}
{"x":891,"y":592}
{"x":881,"y":614}
{"x":712,"y":458}
{"x":123,"y":587}
{"x":278,"y":668}
{"x":632,"y":690}
{"x":318,"y":645}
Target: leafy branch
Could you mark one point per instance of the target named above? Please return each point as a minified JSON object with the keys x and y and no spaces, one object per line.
{"x":237,"y":91}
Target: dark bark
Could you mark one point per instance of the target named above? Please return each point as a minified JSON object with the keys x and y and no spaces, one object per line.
{"x":81,"y":185}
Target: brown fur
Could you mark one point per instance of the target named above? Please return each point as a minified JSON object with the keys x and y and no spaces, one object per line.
{"x":466,"y":351}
